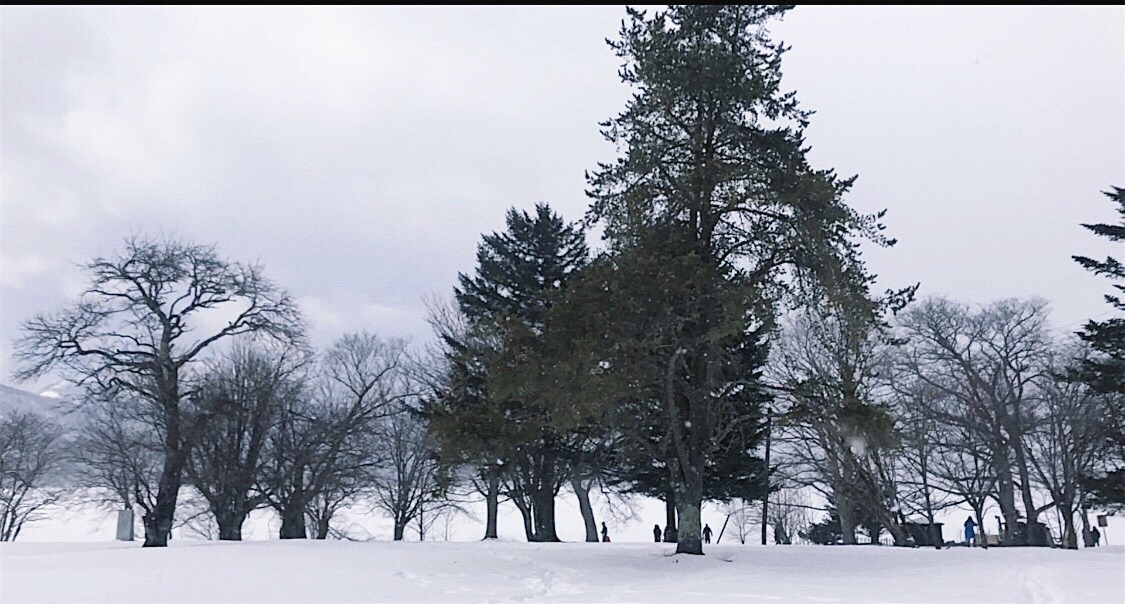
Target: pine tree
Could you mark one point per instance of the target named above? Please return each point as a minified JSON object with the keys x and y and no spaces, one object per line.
{"x":714,"y":164}
{"x":506,"y":410}
{"x":1104,"y":371}
{"x":517,"y":269}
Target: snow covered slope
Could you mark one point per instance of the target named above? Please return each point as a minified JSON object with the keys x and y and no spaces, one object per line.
{"x":334,"y":571}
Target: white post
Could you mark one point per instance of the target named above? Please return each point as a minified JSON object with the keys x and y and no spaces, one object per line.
{"x":125,"y":525}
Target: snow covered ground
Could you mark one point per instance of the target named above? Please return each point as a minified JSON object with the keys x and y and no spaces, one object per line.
{"x":380,"y":571}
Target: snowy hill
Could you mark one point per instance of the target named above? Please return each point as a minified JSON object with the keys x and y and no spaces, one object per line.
{"x":335,"y":571}
{"x":14,"y":399}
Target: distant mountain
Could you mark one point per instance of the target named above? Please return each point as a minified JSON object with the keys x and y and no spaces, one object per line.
{"x":13,"y":400}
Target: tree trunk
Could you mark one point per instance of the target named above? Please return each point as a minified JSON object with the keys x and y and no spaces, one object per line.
{"x":322,"y":526}
{"x":1070,"y":536}
{"x":1033,"y":535}
{"x":935,"y":534}
{"x":525,"y":512}
{"x":543,"y":492}
{"x":670,"y":517}
{"x":688,"y":504}
{"x":1007,"y":498}
{"x":898,"y":534}
{"x":766,"y":496}
{"x":780,"y":536}
{"x":981,"y":535}
{"x":543,"y":504}
{"x":846,"y":511}
{"x":1087,"y":532}
{"x":492,"y":502}
{"x":583,"y":495}
{"x":293,"y":521}
{"x":158,"y":522}
{"x":230,"y":525}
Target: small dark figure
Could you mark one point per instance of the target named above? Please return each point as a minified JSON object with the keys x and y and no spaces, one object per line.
{"x":656,"y":533}
{"x":706,"y":533}
{"x":970,"y":531}
{"x":1097,"y":536}
{"x":605,"y":534}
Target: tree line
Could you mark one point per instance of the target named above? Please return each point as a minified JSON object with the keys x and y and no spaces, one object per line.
{"x":727,"y":310}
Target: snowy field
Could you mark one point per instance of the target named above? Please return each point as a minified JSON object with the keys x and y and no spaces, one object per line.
{"x":379,"y":571}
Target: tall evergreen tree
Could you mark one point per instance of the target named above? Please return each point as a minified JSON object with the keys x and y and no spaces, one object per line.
{"x":519,"y":268}
{"x":714,"y":163}
{"x":628,"y":317}
{"x":501,"y":411}
{"x":1104,"y":371}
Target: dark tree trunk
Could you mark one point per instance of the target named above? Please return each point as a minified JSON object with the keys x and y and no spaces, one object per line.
{"x":492,"y":502}
{"x":688,"y":505}
{"x":230,"y":525}
{"x":935,"y":534}
{"x":525,"y":512}
{"x":293,"y":521}
{"x":158,"y":522}
{"x":845,"y":509}
{"x":670,"y":517}
{"x":1070,"y":535}
{"x":322,"y":526}
{"x":544,"y":503}
{"x":583,"y":495}
{"x":1087,"y":532}
{"x":1007,"y":499}
{"x":1034,"y":534}
{"x":898,"y":532}
{"x":980,"y":534}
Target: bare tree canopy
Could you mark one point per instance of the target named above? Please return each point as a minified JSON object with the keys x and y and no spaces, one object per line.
{"x":147,"y":314}
{"x":31,"y":461}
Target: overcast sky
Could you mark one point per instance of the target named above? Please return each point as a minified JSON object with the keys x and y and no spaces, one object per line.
{"x":360,"y":153}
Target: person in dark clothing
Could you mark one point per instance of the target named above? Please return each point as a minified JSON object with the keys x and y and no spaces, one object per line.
{"x":1097,"y":536}
{"x":706,"y":533}
{"x":970,"y":531}
{"x":605,"y":534}
{"x":656,"y":532}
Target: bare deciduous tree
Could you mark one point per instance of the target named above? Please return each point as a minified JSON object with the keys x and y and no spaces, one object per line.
{"x":1067,"y":441}
{"x":790,"y":514}
{"x":248,"y":388}
{"x":117,"y":452}
{"x":407,"y":485}
{"x":922,"y":453}
{"x":147,"y":315}
{"x":31,"y":461}
{"x":322,"y":451}
{"x":743,"y":519}
{"x":983,"y":364}
{"x":837,"y":436}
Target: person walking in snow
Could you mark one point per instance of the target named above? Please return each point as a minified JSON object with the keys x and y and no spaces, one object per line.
{"x":707,"y":533}
{"x":970,"y":531}
{"x":605,"y":534}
